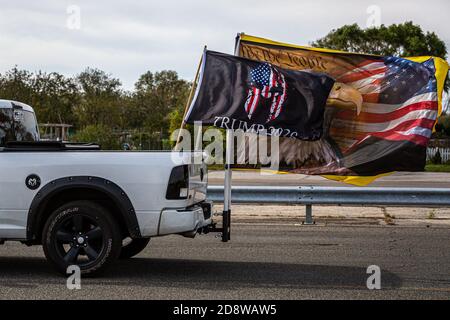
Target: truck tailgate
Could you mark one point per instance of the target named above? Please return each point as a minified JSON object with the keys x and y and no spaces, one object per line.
{"x":198,"y":182}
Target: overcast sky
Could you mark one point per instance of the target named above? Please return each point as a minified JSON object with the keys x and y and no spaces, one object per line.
{"x":127,"y":38}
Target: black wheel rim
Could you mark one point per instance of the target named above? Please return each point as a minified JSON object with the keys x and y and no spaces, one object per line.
{"x":79,"y":240}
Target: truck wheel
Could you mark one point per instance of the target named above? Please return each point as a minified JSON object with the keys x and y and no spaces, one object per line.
{"x":81,"y":233}
{"x":134,"y":247}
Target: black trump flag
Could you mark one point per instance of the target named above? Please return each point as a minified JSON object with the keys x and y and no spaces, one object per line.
{"x":238,"y":93}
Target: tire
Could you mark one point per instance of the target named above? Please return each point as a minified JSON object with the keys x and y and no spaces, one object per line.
{"x":81,"y":233}
{"x":134,"y":247}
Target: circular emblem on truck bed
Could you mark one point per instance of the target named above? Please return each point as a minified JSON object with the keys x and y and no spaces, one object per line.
{"x":33,"y":181}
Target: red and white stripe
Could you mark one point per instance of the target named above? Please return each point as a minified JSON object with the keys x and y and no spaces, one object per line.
{"x":277,"y":102}
{"x":252,"y":101}
{"x":412,"y":120}
{"x":364,"y":71}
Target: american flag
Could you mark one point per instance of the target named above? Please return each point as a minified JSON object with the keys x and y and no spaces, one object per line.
{"x":400,"y":102}
{"x":266,"y":82}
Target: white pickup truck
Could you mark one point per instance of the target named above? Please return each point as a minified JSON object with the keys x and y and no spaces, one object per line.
{"x":88,"y":207}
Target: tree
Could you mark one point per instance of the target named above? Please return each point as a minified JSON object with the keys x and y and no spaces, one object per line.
{"x":155,"y":97}
{"x":100,"y":101}
{"x":404,"y":40}
{"x":52,"y":95}
{"x":100,"y":134}
{"x":15,"y":84}
{"x":94,"y":102}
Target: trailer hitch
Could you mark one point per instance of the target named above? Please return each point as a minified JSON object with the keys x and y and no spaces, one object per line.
{"x":224,"y":230}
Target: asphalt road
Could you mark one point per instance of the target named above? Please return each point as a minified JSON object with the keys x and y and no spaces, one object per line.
{"x":262,"y":261}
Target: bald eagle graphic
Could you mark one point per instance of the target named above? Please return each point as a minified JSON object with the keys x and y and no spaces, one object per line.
{"x":311,"y":157}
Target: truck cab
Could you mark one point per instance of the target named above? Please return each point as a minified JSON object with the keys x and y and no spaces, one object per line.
{"x":17,"y":122}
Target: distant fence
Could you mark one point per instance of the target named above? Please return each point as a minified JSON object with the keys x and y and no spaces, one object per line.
{"x":445,"y":154}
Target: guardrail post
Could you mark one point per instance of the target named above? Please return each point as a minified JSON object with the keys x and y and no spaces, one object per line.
{"x":308,"y":217}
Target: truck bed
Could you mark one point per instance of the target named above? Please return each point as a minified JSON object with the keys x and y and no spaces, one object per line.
{"x":46,"y":146}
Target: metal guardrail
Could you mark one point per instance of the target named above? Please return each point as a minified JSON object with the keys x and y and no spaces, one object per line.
{"x":309,"y":195}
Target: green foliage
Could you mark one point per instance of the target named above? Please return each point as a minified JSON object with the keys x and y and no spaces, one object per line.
{"x":405,"y":40}
{"x":175,"y":119}
{"x":155,"y":97}
{"x":51,"y":94}
{"x":100,"y":134}
{"x":93,"y":101}
{"x":146,"y":140}
{"x":437,"y":167}
{"x":100,"y":98}
{"x":16,"y":85}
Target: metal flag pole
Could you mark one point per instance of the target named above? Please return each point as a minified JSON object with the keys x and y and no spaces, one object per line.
{"x":226,"y":216}
{"x":229,"y":154}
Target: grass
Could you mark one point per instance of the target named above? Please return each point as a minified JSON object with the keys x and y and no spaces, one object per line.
{"x":437,"y":168}
{"x":212,"y":167}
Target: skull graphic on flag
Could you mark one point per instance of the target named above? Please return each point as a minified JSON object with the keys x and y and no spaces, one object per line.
{"x":266,"y":83}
